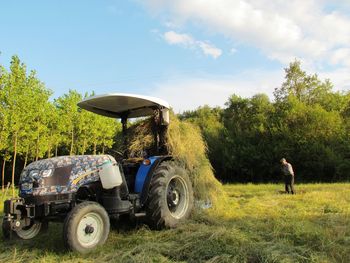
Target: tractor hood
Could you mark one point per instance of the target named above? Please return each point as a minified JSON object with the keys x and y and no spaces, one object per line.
{"x":61,"y":175}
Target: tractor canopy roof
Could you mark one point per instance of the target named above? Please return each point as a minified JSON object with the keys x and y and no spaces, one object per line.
{"x":119,"y":105}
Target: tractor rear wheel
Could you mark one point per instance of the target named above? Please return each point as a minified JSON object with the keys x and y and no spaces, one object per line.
{"x":170,"y":198}
{"x":86,"y":227}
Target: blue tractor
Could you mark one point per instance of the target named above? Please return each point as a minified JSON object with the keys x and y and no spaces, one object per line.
{"x":85,"y":192}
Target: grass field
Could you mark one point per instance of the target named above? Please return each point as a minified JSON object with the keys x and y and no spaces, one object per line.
{"x":256,"y":224}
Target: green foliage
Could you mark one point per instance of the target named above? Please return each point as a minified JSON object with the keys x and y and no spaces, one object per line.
{"x":307,"y":123}
{"x":306,"y":88}
{"x":33,"y":127}
{"x":69,"y":114}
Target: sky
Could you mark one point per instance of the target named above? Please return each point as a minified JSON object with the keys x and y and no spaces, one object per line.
{"x":188,"y":52}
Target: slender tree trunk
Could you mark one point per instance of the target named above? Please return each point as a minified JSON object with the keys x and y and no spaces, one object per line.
{"x":37,"y":148}
{"x":14,"y":164}
{"x":25,"y":159}
{"x":56,"y":150}
{"x":84,"y":146}
{"x":49,"y":149}
{"x":103,"y":146}
{"x":36,"y":152}
{"x":3,"y":175}
{"x":72,"y":142}
{"x":94,"y":147}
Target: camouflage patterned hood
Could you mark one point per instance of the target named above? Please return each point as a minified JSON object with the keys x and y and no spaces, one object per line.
{"x":61,"y":175}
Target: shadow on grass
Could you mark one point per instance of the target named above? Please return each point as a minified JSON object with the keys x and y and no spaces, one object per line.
{"x":49,"y":241}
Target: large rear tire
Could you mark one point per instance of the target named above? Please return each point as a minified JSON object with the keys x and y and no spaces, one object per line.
{"x":170,"y":198}
{"x":86,"y":227}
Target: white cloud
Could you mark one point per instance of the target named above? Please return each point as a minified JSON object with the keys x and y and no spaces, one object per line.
{"x":174,"y":38}
{"x":190,"y":93}
{"x":339,"y":77}
{"x":188,"y":41}
{"x":341,"y":56}
{"x":313,"y":30}
{"x":317,"y":32}
{"x":209,"y":49}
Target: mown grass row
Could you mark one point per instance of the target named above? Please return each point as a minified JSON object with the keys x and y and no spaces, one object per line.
{"x":255,"y":224}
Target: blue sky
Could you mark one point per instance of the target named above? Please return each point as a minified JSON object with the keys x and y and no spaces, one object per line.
{"x":189,"y":52}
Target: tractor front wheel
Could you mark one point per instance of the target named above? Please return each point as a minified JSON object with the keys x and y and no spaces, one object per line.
{"x":170,"y":198}
{"x":26,"y":233}
{"x":86,"y":227}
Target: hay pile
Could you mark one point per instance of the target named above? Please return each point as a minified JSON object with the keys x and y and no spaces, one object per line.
{"x":185,"y":143}
{"x":140,"y":138}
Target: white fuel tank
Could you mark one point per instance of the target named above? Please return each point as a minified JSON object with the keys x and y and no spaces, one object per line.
{"x":110,"y":175}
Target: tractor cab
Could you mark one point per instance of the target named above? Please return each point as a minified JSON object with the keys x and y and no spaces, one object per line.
{"x":126,"y":107}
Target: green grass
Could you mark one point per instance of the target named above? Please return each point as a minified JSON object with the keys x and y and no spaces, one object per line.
{"x":256,"y":224}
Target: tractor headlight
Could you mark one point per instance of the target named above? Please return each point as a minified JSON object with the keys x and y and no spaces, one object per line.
{"x":47,"y":173}
{"x":34,"y":174}
{"x":146,"y":162}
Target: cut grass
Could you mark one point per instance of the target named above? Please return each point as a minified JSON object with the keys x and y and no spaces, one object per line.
{"x":256,"y":224}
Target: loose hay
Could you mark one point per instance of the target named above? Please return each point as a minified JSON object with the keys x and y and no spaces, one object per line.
{"x":186,"y":144}
{"x":140,"y":138}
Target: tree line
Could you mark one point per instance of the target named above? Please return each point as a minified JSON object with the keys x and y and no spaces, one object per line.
{"x":306,"y":122}
{"x":33,"y":127}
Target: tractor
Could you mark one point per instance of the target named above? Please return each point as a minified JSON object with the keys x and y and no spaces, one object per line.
{"x":86,"y":192}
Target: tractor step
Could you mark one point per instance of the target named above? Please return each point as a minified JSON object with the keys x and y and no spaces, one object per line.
{"x":140,"y":214}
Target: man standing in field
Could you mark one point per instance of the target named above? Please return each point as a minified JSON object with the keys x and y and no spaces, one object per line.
{"x":288,"y":174}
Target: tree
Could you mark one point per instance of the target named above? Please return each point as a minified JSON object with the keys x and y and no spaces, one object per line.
{"x":34,"y":143}
{"x":308,"y":123}
{"x":69,"y":113}
{"x":56,"y":127}
{"x":108,"y":131}
{"x":16,"y":103}
{"x":308,"y":89}
{"x":4,"y":127}
{"x":24,"y":100}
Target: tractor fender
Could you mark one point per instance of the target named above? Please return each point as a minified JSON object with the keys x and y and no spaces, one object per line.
{"x":147,"y":183}
{"x":90,"y":191}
